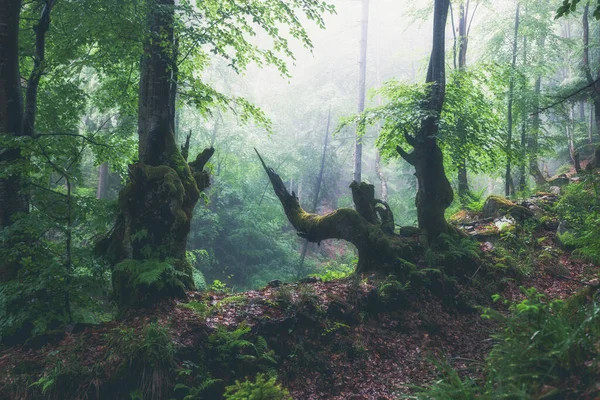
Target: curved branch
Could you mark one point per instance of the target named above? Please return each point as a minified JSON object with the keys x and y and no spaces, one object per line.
{"x":408,"y":157}
{"x":344,"y":223}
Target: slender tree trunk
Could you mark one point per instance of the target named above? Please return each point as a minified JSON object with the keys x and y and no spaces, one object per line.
{"x":523,"y":161}
{"x":533,"y":140}
{"x":461,"y":42}
{"x":102,"y":189}
{"x":362,"y":78}
{"x":511,"y":88}
{"x":157,"y":204}
{"x":41,"y":28}
{"x":591,"y":124}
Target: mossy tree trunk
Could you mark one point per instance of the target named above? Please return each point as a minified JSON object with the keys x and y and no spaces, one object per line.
{"x":434,"y":193}
{"x":370,"y":227}
{"x":156,"y":205}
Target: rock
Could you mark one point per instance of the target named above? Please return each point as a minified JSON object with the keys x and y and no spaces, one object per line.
{"x":274,"y":283}
{"x":310,"y":279}
{"x":497,"y":207}
{"x":561,"y":180}
{"x":555,"y":190}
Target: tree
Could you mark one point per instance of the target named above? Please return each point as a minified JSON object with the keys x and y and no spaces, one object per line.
{"x":370,"y":226}
{"x":434,"y":193}
{"x":156,"y":205}
{"x":148,"y":244}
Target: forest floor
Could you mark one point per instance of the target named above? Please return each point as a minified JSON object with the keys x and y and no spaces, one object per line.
{"x":331,"y":340}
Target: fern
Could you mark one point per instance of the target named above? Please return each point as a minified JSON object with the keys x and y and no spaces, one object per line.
{"x":262,"y":388}
{"x":152,"y":273}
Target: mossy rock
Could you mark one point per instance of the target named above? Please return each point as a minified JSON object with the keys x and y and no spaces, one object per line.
{"x":498,"y":206}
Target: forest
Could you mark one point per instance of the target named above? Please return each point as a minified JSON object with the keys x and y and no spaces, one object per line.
{"x":299,"y":199}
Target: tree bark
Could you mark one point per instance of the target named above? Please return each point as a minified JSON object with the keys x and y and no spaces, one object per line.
{"x":362,"y":78}
{"x":523,"y":161}
{"x":434,"y":193}
{"x":508,"y":187}
{"x":12,"y":199}
{"x":156,"y":205}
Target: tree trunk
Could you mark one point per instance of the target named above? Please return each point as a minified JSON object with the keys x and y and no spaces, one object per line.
{"x":362,"y":78}
{"x":156,"y":205}
{"x":434,"y":193}
{"x":533,"y":140}
{"x":508,"y":187}
{"x":523,"y":161}
{"x":102,"y":188}
{"x":12,"y":198}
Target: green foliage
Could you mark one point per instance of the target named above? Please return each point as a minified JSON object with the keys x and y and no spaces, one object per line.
{"x":468,"y":124}
{"x":150,"y":348}
{"x":284,"y":297}
{"x":230,"y":349}
{"x":218,"y":286}
{"x":262,"y":388}
{"x":151,"y":275}
{"x":456,"y":247}
{"x":570,"y":6}
{"x":450,"y":386}
{"x":580,"y":208}
{"x":201,"y":309}
{"x":391,"y":289}
{"x":334,"y":271}
{"x":546,"y":347}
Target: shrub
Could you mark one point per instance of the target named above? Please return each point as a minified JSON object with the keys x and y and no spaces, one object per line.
{"x":261,"y":389}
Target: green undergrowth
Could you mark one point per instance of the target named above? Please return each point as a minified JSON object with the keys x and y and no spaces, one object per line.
{"x":547,"y":349}
{"x":579,"y":209}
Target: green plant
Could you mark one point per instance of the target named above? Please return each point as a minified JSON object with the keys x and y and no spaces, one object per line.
{"x":201,"y":309}
{"x":333,"y":328}
{"x":218,"y":286}
{"x":149,"y":354}
{"x":547,"y":347}
{"x":391,"y":289}
{"x":152,"y":273}
{"x":580,"y":208}
{"x":262,"y":388}
{"x":449,"y":386}
{"x":228,"y":348}
{"x":284,"y":297}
